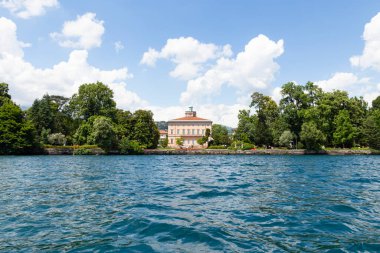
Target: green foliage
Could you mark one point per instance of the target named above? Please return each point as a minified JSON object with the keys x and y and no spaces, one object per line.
{"x":179,"y":141}
{"x":376,"y":103}
{"x":311,"y":136}
{"x":4,"y":95}
{"x":82,"y":151}
{"x":102,"y":133}
{"x":246,"y":127}
{"x":93,"y":99}
{"x":131,"y":147}
{"x":371,"y":129}
{"x":345,"y":132}
{"x":239,"y":145}
{"x":286,"y":139}
{"x":202,"y":141}
{"x":57,"y":139}
{"x":17,"y":135}
{"x":220,"y":135}
{"x":164,"y":142}
{"x":217,"y":147}
{"x":144,"y":130}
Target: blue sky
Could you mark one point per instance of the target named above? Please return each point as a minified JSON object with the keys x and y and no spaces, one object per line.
{"x":172,"y":54}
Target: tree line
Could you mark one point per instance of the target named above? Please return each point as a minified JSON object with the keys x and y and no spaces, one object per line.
{"x":89,"y":117}
{"x":308,"y":117}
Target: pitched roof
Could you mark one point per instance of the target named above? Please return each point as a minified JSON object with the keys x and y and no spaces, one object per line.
{"x":163,"y":132}
{"x":191,"y":118}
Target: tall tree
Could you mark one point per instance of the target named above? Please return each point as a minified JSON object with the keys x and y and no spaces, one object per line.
{"x":16,"y":133}
{"x":93,"y":99}
{"x":345,"y":132}
{"x":145,"y":130}
{"x":219,"y":135}
{"x":311,"y":136}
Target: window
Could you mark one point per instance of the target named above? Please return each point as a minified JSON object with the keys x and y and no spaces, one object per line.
{"x":171,"y":141}
{"x":193,"y":132}
{"x":198,"y":131}
{"x":183,"y":131}
{"x":171,"y":131}
{"x":203,"y":131}
{"x":177,"y":131}
{"x":193,"y":142}
{"x":188,"y":131}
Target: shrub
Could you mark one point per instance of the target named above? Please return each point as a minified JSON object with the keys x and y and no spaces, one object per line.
{"x":217,"y":147}
{"x":57,"y":139}
{"x":130,"y":147}
{"x":82,"y":151}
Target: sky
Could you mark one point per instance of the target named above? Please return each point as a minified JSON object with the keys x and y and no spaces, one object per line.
{"x":165,"y":55}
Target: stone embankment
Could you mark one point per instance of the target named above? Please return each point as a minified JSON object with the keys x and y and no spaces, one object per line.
{"x":257,"y":152}
{"x":71,"y":151}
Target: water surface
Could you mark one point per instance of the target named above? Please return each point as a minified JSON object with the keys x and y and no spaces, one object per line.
{"x":190,"y":203}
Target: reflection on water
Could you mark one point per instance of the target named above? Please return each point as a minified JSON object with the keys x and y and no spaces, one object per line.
{"x":190,"y":203}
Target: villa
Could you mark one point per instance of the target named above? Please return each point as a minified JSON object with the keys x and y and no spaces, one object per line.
{"x":190,"y":128}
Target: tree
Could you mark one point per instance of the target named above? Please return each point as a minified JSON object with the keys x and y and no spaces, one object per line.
{"x":345,"y":132}
{"x":144,"y":130}
{"x":311,"y":136}
{"x":286,"y":139}
{"x":4,"y":95}
{"x":17,"y":135}
{"x":179,"y":141}
{"x":102,"y":133}
{"x":57,"y":139}
{"x":164,"y":142}
{"x":220,"y":135}
{"x":376,"y":103}
{"x":93,"y":99}
{"x":371,"y":129}
{"x":246,"y":127}
{"x":131,"y":147}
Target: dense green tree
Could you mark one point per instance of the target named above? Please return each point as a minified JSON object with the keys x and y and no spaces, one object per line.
{"x":93,"y":99}
{"x":267,"y":113}
{"x":49,"y":112}
{"x":4,"y":93}
{"x":179,"y":141}
{"x":371,"y":129}
{"x":17,"y":135}
{"x":220,"y":135}
{"x":246,"y":127}
{"x":131,"y":147}
{"x":164,"y":142}
{"x":82,"y":133}
{"x":376,"y":103}
{"x":311,"y":136}
{"x":286,"y":139}
{"x":102,"y":133}
{"x":345,"y":132}
{"x":145,"y":130}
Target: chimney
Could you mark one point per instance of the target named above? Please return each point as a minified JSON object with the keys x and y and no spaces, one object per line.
{"x":190,"y":112}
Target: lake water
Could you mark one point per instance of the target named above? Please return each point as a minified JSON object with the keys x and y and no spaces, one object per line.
{"x":190,"y":203}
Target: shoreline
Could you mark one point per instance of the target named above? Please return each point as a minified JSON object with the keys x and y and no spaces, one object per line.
{"x":99,"y":151}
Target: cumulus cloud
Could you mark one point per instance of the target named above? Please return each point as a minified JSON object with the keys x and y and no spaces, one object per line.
{"x":187,"y":54}
{"x":370,"y":57}
{"x":83,"y":33}
{"x":28,"y":8}
{"x":28,"y":82}
{"x":354,"y":85}
{"x":218,"y":113}
{"x":9,"y":44}
{"x":343,"y":81}
{"x":253,"y":68}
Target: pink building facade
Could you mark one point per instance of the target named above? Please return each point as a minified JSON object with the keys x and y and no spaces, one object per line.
{"x":190,"y":128}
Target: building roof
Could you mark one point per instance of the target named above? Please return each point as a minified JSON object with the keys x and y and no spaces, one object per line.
{"x":163,"y":132}
{"x":191,"y":118}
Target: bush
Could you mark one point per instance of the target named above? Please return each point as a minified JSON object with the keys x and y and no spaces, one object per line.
{"x":57,"y":139}
{"x":217,"y":147}
{"x":82,"y":151}
{"x":130,"y":147}
{"x":238,"y":145}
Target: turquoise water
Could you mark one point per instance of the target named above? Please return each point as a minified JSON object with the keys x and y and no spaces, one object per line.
{"x":190,"y":203}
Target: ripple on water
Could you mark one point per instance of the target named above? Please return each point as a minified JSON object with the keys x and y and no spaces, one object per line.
{"x":190,"y":203}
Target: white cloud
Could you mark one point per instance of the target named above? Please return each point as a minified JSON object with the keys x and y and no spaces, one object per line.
{"x":9,"y":44}
{"x":218,"y":113}
{"x":343,"y":81}
{"x":253,"y":68}
{"x":28,"y":8}
{"x":188,"y":54}
{"x":351,"y":83}
{"x":83,"y":33}
{"x":28,"y":82}
{"x":370,"y":57}
{"x":118,"y":46}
